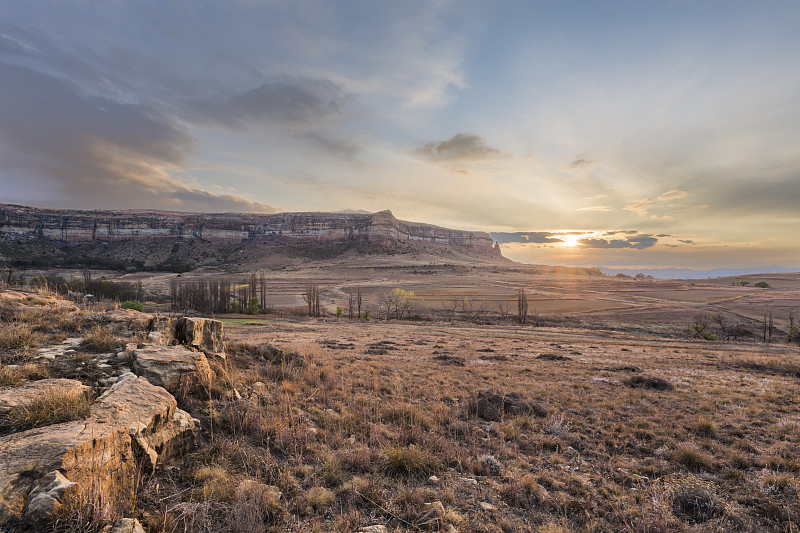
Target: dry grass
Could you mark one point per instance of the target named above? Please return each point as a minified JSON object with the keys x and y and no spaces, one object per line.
{"x":52,"y":406}
{"x":101,"y":340}
{"x":19,"y":337}
{"x":324,"y":438}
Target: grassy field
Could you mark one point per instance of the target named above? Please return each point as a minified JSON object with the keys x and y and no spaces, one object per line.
{"x":601,"y":421}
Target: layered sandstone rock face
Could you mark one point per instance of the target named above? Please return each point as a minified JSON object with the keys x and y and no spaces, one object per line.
{"x":19,"y":223}
{"x":40,"y":466}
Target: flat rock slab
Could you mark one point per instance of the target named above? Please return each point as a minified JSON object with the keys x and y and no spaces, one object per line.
{"x":126,"y":320}
{"x":25,"y":394}
{"x":171,"y":367}
{"x":57,"y":350}
{"x":133,"y":419}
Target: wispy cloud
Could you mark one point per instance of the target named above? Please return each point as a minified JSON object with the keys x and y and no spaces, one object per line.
{"x":461,"y":147}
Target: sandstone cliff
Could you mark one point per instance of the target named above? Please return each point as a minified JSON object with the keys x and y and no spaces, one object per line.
{"x":67,"y":228}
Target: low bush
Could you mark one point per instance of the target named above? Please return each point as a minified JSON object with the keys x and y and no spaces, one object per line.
{"x":136,"y":305}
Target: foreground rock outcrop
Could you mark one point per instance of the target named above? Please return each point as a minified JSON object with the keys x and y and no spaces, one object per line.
{"x":25,"y":394}
{"x":133,"y":420}
{"x":171,"y":367}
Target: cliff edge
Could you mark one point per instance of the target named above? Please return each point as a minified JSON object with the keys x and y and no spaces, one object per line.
{"x":150,"y":238}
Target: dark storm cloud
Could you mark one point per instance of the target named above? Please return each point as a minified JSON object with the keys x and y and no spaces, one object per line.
{"x":460,"y":147}
{"x":96,"y":150}
{"x":535,"y":237}
{"x":637,"y":241}
{"x":298,"y":105}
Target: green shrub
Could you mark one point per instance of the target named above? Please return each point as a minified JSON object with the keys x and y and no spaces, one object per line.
{"x":233,"y":307}
{"x":252,"y":306}
{"x":761,"y":284}
{"x":136,"y":305}
{"x":339,"y":312}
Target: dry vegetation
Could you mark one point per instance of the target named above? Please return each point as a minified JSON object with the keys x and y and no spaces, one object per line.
{"x":326,"y":425}
{"x":613,"y":435}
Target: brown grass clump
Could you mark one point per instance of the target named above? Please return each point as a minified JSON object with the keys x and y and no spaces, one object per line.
{"x":215,"y":484}
{"x":648,"y":382}
{"x":320,"y":498}
{"x":409,"y":462}
{"x":53,"y":406}
{"x":695,"y":499}
{"x":493,"y":405}
{"x":706,"y":428}
{"x":523,"y":492}
{"x":101,"y":340}
{"x":257,"y":505}
{"x":19,"y":336}
{"x":693,"y":459}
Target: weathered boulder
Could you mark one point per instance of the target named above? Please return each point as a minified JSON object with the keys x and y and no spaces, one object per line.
{"x":132,"y":419}
{"x":204,"y":334}
{"x":25,"y":394}
{"x":47,"y":496}
{"x":126,"y":320}
{"x":171,"y":367}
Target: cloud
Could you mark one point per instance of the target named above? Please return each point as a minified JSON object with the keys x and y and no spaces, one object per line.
{"x":673,"y":194}
{"x":299,"y":105}
{"x":460,"y":147}
{"x":533,"y":237}
{"x":637,"y":241}
{"x":686,"y":241}
{"x":640,"y":207}
{"x":580,"y":162}
{"x":98,"y":151}
{"x":598,"y":208}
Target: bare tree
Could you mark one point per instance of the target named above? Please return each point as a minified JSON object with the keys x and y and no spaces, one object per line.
{"x":522,"y":306}
{"x":311,"y":296}
{"x":504,"y":308}
{"x":11,"y":276}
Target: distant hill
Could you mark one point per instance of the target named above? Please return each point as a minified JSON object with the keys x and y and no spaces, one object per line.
{"x":174,"y":241}
{"x":688,"y":273}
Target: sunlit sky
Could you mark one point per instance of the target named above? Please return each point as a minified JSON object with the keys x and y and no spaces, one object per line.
{"x":619,"y":134}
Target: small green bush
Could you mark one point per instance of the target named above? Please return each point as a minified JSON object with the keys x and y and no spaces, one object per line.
{"x":761,"y":284}
{"x":339,"y":312}
{"x":252,"y":306}
{"x":233,"y":307}
{"x":136,"y":305}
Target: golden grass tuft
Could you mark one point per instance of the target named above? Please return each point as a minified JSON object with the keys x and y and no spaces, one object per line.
{"x":101,"y":340}
{"x":52,"y":406}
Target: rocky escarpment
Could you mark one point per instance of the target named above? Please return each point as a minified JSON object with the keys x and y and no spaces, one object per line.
{"x":22,"y":225}
{"x":134,"y":425}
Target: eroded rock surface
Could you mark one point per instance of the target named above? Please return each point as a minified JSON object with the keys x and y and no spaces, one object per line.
{"x":25,"y":394}
{"x":171,"y":367}
{"x":132,"y":419}
{"x":204,"y":334}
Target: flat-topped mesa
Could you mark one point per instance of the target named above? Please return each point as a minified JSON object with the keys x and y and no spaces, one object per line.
{"x":19,"y":223}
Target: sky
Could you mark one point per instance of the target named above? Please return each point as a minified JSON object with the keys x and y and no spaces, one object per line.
{"x":617,"y":134}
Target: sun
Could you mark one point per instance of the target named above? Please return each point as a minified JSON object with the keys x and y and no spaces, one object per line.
{"x":571,"y":241}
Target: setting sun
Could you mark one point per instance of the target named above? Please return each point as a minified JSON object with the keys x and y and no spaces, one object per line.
{"x":571,"y":241}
